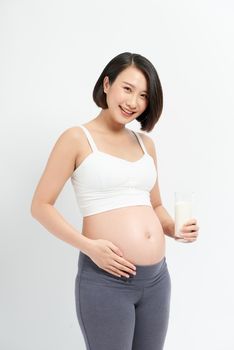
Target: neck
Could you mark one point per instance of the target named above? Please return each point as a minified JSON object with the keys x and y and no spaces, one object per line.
{"x":107,"y":124}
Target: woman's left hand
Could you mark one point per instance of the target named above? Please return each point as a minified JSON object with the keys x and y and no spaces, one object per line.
{"x":189,"y":231}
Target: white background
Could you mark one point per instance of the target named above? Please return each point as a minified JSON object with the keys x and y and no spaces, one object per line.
{"x":52,"y":53}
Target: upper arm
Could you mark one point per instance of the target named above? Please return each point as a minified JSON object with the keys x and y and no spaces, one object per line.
{"x":155,"y":196}
{"x":60,"y":165}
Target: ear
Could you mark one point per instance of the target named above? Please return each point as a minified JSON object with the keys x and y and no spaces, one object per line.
{"x":106,"y":84}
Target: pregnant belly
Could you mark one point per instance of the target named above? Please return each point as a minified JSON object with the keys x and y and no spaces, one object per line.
{"x":135,"y":230}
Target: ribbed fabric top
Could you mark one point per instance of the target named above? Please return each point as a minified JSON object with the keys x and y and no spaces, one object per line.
{"x":104,"y":182}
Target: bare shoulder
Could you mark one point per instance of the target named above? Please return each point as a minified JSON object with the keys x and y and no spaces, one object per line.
{"x":149,"y":144}
{"x":59,"y":166}
{"x":70,"y":139}
{"x":155,"y":196}
{"x":72,"y":133}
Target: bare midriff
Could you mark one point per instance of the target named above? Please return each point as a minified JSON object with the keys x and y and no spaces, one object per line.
{"x":136,"y":230}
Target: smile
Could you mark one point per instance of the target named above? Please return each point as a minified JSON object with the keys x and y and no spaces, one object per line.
{"x":126,"y":112}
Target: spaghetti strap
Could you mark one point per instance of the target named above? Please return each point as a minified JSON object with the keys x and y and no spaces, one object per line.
{"x":140,"y":141}
{"x":89,"y":137}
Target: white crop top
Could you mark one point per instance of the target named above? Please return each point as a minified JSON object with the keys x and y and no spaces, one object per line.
{"x":103,"y":182}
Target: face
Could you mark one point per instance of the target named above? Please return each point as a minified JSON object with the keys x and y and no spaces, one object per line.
{"x":127,"y":97}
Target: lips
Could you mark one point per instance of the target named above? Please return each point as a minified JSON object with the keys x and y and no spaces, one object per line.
{"x":129,"y":113}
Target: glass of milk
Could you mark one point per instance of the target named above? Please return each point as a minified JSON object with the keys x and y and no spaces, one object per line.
{"x":183,"y":211}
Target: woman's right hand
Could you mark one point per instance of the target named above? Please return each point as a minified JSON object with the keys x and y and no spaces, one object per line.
{"x":108,"y":257}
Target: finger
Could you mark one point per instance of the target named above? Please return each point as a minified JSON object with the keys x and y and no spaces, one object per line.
{"x":190,"y":238}
{"x":191,"y":228}
{"x":126,"y":263}
{"x":189,"y":235}
{"x":185,"y":240}
{"x":120,"y":271}
{"x":120,"y":266}
{"x":192,"y":221}
{"x":112,"y":272}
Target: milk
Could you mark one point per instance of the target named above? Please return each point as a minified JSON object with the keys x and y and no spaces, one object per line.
{"x":183,"y":211}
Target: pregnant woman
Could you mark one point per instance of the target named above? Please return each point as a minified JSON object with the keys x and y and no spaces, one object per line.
{"x":123,"y":286}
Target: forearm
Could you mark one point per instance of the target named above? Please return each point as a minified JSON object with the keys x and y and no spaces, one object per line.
{"x":54,"y":222}
{"x":166,"y":221}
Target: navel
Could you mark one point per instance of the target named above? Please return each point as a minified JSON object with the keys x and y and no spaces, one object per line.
{"x":148,"y":235}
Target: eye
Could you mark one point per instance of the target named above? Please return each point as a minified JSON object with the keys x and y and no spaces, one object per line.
{"x":145,"y":96}
{"x":127,"y":88}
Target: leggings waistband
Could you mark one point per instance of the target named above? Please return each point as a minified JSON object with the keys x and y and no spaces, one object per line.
{"x":142,"y":271}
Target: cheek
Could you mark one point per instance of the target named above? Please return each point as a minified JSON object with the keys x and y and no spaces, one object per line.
{"x":144,"y":104}
{"x":120,"y":96}
{"x":116,"y":97}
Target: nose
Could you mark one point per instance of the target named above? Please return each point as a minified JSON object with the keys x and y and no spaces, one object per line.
{"x":131,"y":103}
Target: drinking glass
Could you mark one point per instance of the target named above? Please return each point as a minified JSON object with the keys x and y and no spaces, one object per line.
{"x":183,"y":211}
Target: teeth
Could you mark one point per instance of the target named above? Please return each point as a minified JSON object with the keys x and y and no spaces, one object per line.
{"x":126,"y":111}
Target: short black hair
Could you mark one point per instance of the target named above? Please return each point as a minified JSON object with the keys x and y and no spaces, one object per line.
{"x":152,"y":113}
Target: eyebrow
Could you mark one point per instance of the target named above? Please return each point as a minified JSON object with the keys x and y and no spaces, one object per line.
{"x":125,"y":82}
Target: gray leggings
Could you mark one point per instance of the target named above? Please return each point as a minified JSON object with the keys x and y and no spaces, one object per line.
{"x":120,"y":313}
